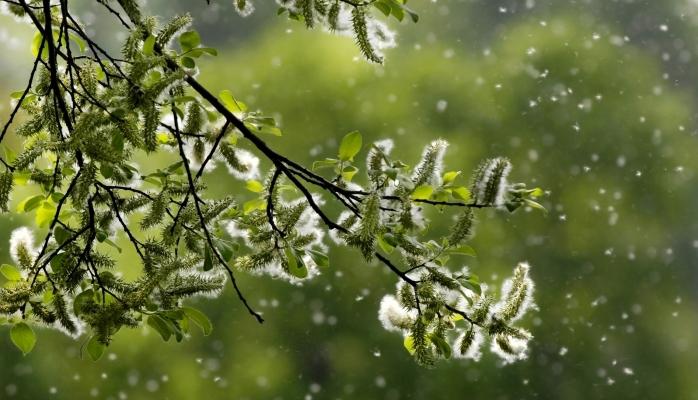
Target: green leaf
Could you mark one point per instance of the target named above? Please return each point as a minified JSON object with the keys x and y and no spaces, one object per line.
{"x":56,"y":197}
{"x":398,"y":9}
{"x":535,"y":205}
{"x":261,"y":128}
{"x":78,"y":40}
{"x":117,"y":142}
{"x":95,"y":348}
{"x":57,"y":263}
{"x":442,"y":345}
{"x":252,"y":205}
{"x":422,"y":192}
{"x":176,"y":168}
{"x":61,"y":234}
{"x":296,"y":267}
{"x":45,"y":214}
{"x":224,"y":249}
{"x":160,"y":325}
{"x":464,"y":250}
{"x":10,"y":272}
{"x":188,"y":62}
{"x":348,"y":173}
{"x":112,"y":244}
{"x":230,"y":103}
{"x":473,"y":285}
{"x":163,"y":138}
{"x":384,"y":245}
{"x":326,"y":163}
{"x":82,"y":299}
{"x":536,"y":192}
{"x":23,"y":337}
{"x":36,"y":44}
{"x":21,"y":179}
{"x":409,"y":344}
{"x":320,"y":259}
{"x":149,"y":45}
{"x":30,"y":203}
{"x":450,"y":176}
{"x":383,"y":7}
{"x":461,"y":193}
{"x":350,"y":146}
{"x":254,"y":186}
{"x":199,"y":319}
{"x":208,"y":50}
{"x":189,"y":40}
{"x":208,"y":260}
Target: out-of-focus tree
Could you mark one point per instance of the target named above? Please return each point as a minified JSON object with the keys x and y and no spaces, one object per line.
{"x":617,"y":241}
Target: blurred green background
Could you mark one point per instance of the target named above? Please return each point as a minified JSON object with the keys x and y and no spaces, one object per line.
{"x":592,"y":100}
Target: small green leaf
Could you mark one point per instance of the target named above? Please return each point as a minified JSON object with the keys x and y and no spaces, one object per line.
{"x":230,"y":103}
{"x":10,"y":272}
{"x":252,"y":205}
{"x":189,"y":40}
{"x":61,"y":234}
{"x":21,"y":179}
{"x":390,"y":239}
{"x":320,"y":259}
{"x":45,"y":214}
{"x":450,"y":176}
{"x":188,"y":62}
{"x":536,"y":192}
{"x":296,"y":267}
{"x":112,"y":244}
{"x":36,"y":44}
{"x":326,"y":163}
{"x":149,"y":45}
{"x":348,"y":173}
{"x":442,"y":345}
{"x":30,"y":203}
{"x":473,"y":285}
{"x":383,"y":7}
{"x":384,"y":245}
{"x":199,"y":319}
{"x":23,"y":337}
{"x":461,"y":193}
{"x":409,"y":344}
{"x":82,"y":299}
{"x":254,"y":186}
{"x":176,"y":168}
{"x":350,"y":146}
{"x":464,"y":250}
{"x":208,"y":50}
{"x":95,"y":348}
{"x":78,"y":40}
{"x":57,"y":263}
{"x":224,"y":249}
{"x":535,"y":205}
{"x":261,"y":128}
{"x":160,"y":325}
{"x":422,"y":192}
{"x":163,"y":138}
{"x":396,"y":10}
{"x":56,"y":197}
{"x":208,"y":260}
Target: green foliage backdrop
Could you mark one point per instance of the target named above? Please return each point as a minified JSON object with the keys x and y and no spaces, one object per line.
{"x":593,"y":120}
